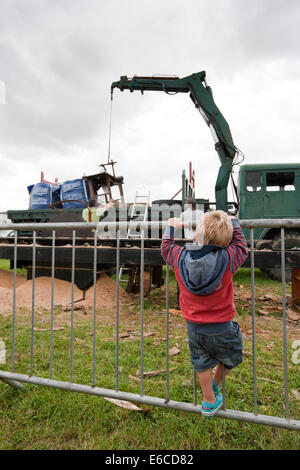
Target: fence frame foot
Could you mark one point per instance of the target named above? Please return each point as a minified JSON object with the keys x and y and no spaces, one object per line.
{"x":13,"y":383}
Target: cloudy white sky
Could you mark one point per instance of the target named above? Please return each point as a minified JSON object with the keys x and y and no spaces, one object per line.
{"x":58,"y":59}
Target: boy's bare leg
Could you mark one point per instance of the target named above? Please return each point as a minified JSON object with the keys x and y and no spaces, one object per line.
{"x":205,"y":379}
{"x":219,"y":373}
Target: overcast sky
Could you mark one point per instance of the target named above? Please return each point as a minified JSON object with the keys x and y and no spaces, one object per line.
{"x":58,"y":59}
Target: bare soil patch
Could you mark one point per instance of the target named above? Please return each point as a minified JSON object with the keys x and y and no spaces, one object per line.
{"x":105,"y":293}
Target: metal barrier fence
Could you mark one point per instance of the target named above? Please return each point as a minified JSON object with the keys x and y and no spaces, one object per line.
{"x":16,"y":379}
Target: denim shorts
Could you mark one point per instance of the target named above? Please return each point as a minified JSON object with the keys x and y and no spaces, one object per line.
{"x":207,"y":351}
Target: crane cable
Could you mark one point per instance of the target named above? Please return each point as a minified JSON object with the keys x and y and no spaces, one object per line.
{"x":109,"y":131}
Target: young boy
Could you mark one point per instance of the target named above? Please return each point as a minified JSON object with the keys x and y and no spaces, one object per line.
{"x":204,"y":273}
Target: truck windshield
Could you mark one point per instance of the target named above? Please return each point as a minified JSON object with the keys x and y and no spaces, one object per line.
{"x":280,"y":181}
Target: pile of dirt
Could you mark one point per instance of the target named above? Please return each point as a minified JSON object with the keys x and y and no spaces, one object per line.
{"x":6,"y":288}
{"x":42,"y":293}
{"x":7,"y":279}
{"x":6,"y":296}
{"x":105,"y":293}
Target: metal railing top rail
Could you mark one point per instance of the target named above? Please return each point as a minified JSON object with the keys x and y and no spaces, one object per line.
{"x":247,"y":223}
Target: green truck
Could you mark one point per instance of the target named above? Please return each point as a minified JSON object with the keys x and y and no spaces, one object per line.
{"x":263,"y":191}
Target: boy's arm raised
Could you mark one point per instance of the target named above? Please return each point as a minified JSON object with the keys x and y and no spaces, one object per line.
{"x":171,"y":252}
{"x":237,"y":249}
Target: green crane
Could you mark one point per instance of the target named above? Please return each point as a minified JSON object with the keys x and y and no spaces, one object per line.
{"x":202,"y":97}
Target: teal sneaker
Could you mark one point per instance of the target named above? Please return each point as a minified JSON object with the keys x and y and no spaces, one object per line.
{"x":210,"y":409}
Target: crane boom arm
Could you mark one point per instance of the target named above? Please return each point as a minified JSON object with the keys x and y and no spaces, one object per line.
{"x":201,"y":95}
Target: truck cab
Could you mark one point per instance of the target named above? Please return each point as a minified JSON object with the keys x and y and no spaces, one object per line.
{"x":269,"y":191}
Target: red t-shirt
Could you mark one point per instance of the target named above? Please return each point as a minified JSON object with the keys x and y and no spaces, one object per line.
{"x":213,"y":308}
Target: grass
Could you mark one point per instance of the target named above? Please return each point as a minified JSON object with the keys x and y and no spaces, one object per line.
{"x":44,"y":418}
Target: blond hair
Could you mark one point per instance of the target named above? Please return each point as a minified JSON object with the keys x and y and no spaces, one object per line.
{"x":214,"y":229}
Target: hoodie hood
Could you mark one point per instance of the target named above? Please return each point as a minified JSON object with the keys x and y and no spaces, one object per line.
{"x":201,"y":270}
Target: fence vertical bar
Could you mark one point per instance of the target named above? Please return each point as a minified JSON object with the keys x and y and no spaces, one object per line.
{"x":285,"y":355}
{"x":117,"y":309}
{"x":194,"y":387}
{"x":32,"y":305}
{"x":253,"y":321}
{"x":72,"y":306}
{"x":224,"y":387}
{"x":13,"y":339}
{"x":167,"y":397}
{"x":94,"y":308}
{"x":142,"y":308}
{"x":52,"y":304}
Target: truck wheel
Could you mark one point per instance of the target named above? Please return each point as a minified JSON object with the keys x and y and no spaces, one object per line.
{"x":292,"y":242}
